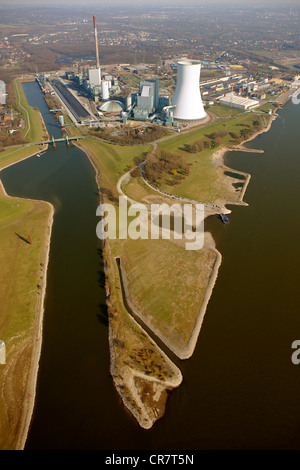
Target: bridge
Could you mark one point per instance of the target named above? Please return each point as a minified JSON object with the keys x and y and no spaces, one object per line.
{"x":62,"y":139}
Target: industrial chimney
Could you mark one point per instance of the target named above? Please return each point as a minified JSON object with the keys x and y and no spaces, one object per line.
{"x":187,"y":97}
{"x":96,"y":43}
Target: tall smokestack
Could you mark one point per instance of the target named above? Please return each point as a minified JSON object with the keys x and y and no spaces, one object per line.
{"x":96,"y":44}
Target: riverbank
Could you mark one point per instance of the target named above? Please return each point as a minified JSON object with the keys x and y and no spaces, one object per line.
{"x":23,"y":344}
{"x":122,"y":375}
{"x":18,"y":382}
{"x":37,"y":344}
{"x":218,"y":159}
{"x":144,"y":377}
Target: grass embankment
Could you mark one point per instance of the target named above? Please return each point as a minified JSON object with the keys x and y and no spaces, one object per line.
{"x":21,"y":282}
{"x":165,"y":284}
{"x":24,"y":233}
{"x":34,"y":130}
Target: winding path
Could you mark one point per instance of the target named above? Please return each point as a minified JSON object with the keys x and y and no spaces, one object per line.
{"x":28,"y":120}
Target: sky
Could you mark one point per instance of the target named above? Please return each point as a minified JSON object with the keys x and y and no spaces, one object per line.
{"x":144,"y":2}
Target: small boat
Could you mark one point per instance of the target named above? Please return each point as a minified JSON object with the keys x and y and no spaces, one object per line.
{"x":224,"y":219}
{"x":40,"y":154}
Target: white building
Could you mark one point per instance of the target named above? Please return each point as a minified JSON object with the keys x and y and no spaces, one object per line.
{"x":187,"y":97}
{"x":234,"y":101}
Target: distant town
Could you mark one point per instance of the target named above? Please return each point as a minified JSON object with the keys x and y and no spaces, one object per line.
{"x":137,"y":48}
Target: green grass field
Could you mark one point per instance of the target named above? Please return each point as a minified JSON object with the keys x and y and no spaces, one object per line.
{"x":167,"y":284}
{"x":21,"y":222}
{"x":205,"y":181}
{"x":112,"y":161}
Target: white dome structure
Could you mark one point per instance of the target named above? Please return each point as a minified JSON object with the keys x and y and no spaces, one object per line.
{"x":111,"y":107}
{"x":187,"y":97}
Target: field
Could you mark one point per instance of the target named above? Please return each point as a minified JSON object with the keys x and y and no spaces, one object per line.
{"x":166,"y":286}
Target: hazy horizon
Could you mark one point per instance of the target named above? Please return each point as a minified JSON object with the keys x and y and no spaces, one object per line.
{"x":162,"y":3}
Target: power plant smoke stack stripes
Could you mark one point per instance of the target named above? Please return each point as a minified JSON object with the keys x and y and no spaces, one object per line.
{"x":96,"y":43}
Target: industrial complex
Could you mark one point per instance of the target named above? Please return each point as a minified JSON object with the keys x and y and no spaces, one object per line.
{"x":97,"y":98}
{"x":104,"y":93}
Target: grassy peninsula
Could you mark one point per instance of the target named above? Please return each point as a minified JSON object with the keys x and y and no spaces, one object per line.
{"x":157,"y":283}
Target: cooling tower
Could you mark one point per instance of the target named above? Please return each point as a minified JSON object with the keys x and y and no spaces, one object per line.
{"x":187,"y":97}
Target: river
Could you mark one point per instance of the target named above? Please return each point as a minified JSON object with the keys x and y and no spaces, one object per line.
{"x":240,"y":387}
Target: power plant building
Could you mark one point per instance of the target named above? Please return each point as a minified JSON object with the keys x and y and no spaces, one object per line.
{"x":147,"y":100}
{"x":94,"y":76}
{"x":187,"y":98}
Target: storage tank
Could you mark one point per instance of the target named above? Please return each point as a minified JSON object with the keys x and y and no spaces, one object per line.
{"x":128,"y":102}
{"x":105,"y":89}
{"x":187,"y":97}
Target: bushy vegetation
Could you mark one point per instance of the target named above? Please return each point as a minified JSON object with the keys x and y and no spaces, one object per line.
{"x":7,"y":139}
{"x":166,"y":167}
{"x":212,"y":140}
